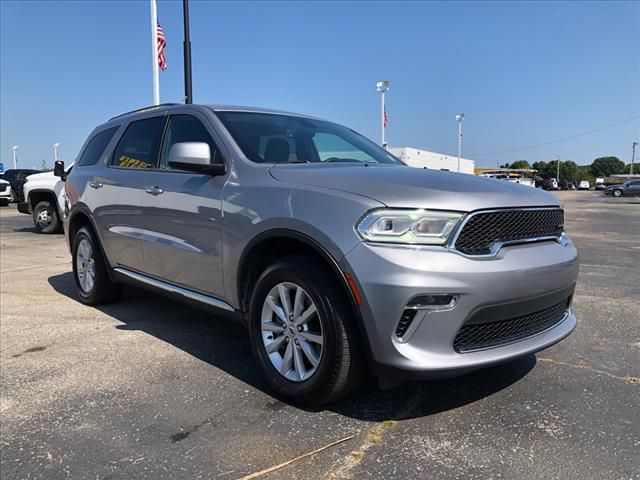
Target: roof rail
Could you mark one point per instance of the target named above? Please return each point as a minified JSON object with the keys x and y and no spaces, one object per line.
{"x":144,"y":109}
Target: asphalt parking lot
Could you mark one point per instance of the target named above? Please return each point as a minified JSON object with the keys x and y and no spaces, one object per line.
{"x":150,"y":388}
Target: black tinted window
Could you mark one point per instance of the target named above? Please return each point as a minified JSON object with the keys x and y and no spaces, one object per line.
{"x":96,"y":147}
{"x":138,"y":147}
{"x":186,"y":128}
{"x":276,"y":138}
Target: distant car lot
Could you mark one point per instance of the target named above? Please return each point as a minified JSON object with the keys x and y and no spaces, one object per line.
{"x":149,"y":388}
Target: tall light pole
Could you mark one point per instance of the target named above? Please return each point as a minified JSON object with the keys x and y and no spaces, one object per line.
{"x":382,"y":87}
{"x":460,"y":119}
{"x":558,"y":170}
{"x":55,"y":151}
{"x":633,"y":154}
{"x":15,"y":156}
{"x":188,"y":91}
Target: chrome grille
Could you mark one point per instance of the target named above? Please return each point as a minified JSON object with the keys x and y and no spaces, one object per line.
{"x":483,"y":230}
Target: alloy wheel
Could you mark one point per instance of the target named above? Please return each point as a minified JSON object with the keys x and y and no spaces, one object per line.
{"x":85,"y":265}
{"x":292,"y":331}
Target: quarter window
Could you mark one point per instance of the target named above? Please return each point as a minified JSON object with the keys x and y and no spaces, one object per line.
{"x":187,"y":128}
{"x":95,"y":148}
{"x":138,"y":147}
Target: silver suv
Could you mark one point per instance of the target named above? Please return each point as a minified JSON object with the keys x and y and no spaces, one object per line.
{"x":340,"y":259}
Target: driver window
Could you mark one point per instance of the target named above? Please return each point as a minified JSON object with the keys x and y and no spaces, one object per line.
{"x":335,"y":149}
{"x":186,"y":128}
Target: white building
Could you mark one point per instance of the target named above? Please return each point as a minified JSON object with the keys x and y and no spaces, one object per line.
{"x":415,"y":157}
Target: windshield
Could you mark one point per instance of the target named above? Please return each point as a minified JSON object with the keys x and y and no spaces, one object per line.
{"x":275,"y":138}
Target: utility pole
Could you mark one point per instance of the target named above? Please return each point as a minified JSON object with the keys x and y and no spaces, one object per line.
{"x":558,"y":174}
{"x":633,"y":154}
{"x":188,"y":94}
{"x":459,"y":118}
{"x":14,"y":149}
{"x":55,"y":152}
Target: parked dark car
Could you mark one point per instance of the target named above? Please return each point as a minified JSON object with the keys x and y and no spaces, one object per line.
{"x":16,"y":177}
{"x":564,"y":184}
{"x":547,"y":184}
{"x":629,"y":188}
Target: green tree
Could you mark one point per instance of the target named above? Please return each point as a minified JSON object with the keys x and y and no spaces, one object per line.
{"x":606,"y":166}
{"x":545,"y":169}
{"x":518,"y":164}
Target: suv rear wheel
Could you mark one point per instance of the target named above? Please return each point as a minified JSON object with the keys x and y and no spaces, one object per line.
{"x":45,"y":217}
{"x":92,"y":280}
{"x":302,"y":333}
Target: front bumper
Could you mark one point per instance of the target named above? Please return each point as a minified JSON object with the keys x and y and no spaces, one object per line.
{"x":389,"y":277}
{"x":23,"y":207}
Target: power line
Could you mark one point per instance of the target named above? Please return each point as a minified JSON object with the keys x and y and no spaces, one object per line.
{"x":554,"y":141}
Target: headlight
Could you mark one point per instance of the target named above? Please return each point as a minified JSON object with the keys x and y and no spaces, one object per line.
{"x":422,"y":227}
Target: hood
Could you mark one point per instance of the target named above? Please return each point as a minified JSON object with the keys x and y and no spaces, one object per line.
{"x":41,"y":176}
{"x":408,"y":187}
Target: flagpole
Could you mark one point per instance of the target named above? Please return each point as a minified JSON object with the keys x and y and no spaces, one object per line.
{"x":154,"y":52}
{"x":382,"y":118}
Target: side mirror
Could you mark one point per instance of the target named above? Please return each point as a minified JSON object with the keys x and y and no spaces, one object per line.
{"x":58,"y":170}
{"x":194,"y":157}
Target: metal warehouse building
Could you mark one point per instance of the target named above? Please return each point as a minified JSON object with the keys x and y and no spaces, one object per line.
{"x":436,"y":161}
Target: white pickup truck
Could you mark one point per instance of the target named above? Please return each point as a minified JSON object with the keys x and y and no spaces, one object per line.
{"x":44,"y":200}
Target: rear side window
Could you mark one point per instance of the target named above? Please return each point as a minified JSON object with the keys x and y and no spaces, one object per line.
{"x":138,"y":147}
{"x":96,"y":146}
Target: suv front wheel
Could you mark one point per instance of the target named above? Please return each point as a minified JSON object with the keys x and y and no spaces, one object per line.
{"x":90,"y":273}
{"x":302,"y":333}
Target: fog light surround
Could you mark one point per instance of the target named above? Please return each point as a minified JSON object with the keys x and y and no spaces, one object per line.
{"x":417,"y":310}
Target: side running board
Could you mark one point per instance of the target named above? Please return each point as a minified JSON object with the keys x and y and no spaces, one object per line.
{"x":198,"y":297}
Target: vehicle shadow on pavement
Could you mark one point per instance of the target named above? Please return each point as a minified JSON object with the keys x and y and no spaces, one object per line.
{"x":224,"y":344}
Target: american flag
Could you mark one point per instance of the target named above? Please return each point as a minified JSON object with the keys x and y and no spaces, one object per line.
{"x":386,"y":119}
{"x":162,"y":61}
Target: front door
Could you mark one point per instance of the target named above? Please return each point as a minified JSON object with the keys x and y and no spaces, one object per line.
{"x":182,"y":214}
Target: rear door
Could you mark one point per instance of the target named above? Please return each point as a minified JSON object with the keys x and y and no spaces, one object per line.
{"x":182,"y":213}
{"x":115,"y":192}
{"x":633,"y":188}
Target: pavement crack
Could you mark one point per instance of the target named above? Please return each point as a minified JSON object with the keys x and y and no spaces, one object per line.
{"x":355,"y":457}
{"x":627,"y":378}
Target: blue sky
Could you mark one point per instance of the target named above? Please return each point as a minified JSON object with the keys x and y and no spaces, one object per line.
{"x":523,"y":73}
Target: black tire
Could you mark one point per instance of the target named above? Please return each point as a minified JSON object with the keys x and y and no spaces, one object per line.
{"x":341,"y":367}
{"x":103,"y":290}
{"x":52,"y":224}
{"x":617,"y":193}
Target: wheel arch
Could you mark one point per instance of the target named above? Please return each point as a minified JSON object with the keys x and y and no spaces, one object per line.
{"x":79,"y":216}
{"x":273,"y":244}
{"x":38,"y":195}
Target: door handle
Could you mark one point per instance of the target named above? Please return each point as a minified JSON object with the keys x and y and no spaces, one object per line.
{"x":95,"y":185}
{"x":153,"y":190}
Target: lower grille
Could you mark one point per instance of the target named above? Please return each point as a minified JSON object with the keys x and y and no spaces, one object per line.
{"x":479,"y":336}
{"x":3,"y":187}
